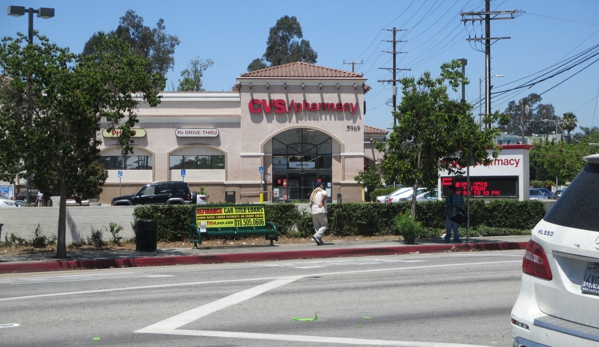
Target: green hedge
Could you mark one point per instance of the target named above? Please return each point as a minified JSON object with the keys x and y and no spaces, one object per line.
{"x":497,"y":217}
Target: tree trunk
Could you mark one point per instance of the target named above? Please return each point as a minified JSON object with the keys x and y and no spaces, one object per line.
{"x":61,"y":245}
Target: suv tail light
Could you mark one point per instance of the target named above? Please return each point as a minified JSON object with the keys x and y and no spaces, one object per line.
{"x":535,"y":261}
{"x":188,"y":196}
{"x":202,"y":197}
{"x":388,"y":199}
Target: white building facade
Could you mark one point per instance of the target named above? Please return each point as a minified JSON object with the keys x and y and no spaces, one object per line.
{"x":279,"y":131}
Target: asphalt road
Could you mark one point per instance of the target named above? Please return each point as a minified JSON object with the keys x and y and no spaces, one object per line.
{"x":432,"y":300}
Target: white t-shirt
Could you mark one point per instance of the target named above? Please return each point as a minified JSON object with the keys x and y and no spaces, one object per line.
{"x":318,"y":198}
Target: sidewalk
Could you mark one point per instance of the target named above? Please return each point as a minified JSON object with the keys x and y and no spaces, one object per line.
{"x":183,"y":256}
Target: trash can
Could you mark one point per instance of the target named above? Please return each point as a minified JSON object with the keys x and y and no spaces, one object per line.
{"x":230,"y":196}
{"x":145,"y":236}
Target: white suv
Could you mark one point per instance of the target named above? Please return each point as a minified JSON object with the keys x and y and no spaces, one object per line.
{"x":558,"y":303}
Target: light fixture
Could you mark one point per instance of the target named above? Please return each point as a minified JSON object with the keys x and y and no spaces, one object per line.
{"x":43,"y":12}
{"x":319,"y":85}
{"x":285,"y":85}
{"x":302,"y":86}
{"x":337,"y":85}
{"x":267,"y":85}
{"x":355,"y":86}
{"x":250,"y":85}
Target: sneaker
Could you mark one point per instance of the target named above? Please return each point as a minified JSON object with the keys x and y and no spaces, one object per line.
{"x":316,"y":240}
{"x":320,"y":241}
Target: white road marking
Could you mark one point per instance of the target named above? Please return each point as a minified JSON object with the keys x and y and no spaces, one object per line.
{"x":170,"y":325}
{"x":77,"y":278}
{"x":187,"y":317}
{"x":9,"y":325}
{"x":312,"y":339}
{"x":321,"y":263}
{"x":170,"y":285}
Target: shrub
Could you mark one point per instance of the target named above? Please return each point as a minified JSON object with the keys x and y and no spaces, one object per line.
{"x":39,"y":241}
{"x":172,"y":221}
{"x":408,"y":228}
{"x":96,"y":239}
{"x":14,"y":240}
{"x":284,"y":216}
{"x":114,"y":230}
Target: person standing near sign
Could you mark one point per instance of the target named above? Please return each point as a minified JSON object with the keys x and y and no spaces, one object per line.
{"x":453,"y":200}
{"x":318,"y":207}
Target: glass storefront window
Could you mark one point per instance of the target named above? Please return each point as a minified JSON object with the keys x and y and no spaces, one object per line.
{"x":197,"y":162}
{"x":132,"y":162}
{"x":176,"y":162}
{"x":138,"y":162}
{"x":218,"y":162}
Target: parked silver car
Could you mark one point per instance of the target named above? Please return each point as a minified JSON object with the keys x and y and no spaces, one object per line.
{"x":422,"y":195}
{"x":540,"y":194}
{"x":383,"y":198}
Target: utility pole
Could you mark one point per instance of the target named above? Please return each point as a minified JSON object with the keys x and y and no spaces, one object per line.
{"x":522,"y":119}
{"x":353,"y":63}
{"x":486,"y":17}
{"x":394,"y":68}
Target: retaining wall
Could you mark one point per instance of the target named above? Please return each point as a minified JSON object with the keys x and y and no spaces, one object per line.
{"x":81,"y":222}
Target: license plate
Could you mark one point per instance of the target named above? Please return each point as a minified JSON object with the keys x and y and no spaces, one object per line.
{"x":590,"y":283}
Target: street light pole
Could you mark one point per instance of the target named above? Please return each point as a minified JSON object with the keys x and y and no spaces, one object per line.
{"x":45,"y":13}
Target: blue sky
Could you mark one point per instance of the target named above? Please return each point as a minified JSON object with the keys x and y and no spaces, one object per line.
{"x":233,"y":32}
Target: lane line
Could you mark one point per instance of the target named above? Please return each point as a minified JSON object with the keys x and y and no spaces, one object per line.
{"x":311,"y":339}
{"x":171,"y":285}
{"x":187,"y":317}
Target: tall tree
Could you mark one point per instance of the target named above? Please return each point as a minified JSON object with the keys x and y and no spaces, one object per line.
{"x":433,"y":131}
{"x":534,"y":114}
{"x":285,"y":45}
{"x":569,"y":122}
{"x":560,"y":159}
{"x":192,"y":76}
{"x":51,"y":105}
{"x":151,"y":43}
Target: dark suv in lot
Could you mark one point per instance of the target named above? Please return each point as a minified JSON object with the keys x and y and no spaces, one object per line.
{"x":171,"y":192}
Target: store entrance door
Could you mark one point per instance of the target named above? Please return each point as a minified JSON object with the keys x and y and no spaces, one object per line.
{"x":301,"y":185}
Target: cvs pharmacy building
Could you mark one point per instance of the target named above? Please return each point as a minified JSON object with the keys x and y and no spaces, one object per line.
{"x":279,"y":131}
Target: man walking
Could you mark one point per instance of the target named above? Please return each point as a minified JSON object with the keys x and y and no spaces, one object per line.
{"x":318,"y":207}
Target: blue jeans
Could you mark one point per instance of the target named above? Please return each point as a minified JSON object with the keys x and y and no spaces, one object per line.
{"x":449,"y":224}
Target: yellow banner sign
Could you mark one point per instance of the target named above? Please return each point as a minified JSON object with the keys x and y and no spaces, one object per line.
{"x":231,"y":216}
{"x":117,"y":133}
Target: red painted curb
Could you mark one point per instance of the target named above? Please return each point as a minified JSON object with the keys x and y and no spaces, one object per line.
{"x":249,"y":257}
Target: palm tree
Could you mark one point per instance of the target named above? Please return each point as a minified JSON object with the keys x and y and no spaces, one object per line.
{"x":569,"y":122}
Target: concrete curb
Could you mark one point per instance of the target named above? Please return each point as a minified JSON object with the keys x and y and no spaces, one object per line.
{"x":323,"y":252}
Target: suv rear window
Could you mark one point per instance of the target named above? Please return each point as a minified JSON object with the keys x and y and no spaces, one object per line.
{"x":577,"y":207}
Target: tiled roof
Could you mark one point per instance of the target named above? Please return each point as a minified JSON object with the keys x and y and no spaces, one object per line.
{"x":301,"y":69}
{"x":372,"y":130}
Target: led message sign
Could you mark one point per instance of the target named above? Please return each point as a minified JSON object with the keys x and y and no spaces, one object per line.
{"x":483,"y":186}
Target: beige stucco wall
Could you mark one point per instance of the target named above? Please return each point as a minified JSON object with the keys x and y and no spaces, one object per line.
{"x":244,"y":137}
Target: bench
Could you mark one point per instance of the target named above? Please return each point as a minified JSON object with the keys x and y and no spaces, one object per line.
{"x":230,"y":220}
